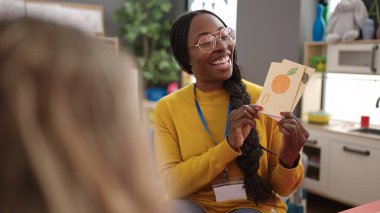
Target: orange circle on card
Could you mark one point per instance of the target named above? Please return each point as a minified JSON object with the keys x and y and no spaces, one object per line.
{"x":280,"y":84}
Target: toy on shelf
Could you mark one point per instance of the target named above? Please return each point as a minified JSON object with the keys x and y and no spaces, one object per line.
{"x":318,"y":62}
{"x":346,"y":20}
{"x":319,"y":26}
{"x":368,"y":29}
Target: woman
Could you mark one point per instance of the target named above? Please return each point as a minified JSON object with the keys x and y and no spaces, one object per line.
{"x":211,"y":142}
{"x":69,"y":141}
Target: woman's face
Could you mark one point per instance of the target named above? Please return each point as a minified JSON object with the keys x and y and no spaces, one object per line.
{"x":214,"y":67}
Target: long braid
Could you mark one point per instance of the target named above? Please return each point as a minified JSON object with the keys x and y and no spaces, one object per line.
{"x":248,"y":162}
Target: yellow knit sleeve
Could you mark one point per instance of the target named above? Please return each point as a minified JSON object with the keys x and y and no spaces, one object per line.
{"x":182,"y":178}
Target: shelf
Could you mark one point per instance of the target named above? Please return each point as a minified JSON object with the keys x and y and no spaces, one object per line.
{"x":315,"y":43}
{"x":313,"y":49}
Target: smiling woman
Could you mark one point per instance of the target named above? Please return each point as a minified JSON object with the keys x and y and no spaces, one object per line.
{"x":209,"y":138}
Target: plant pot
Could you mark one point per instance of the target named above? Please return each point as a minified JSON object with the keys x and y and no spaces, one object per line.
{"x":155,"y":93}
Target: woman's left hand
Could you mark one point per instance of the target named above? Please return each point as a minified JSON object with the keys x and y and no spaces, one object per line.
{"x":294,"y":137}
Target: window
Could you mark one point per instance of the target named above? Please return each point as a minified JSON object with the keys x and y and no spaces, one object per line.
{"x":349,"y":96}
{"x":225,"y":9}
{"x":331,"y":6}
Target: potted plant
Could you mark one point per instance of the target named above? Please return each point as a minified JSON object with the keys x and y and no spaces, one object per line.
{"x":145,"y":32}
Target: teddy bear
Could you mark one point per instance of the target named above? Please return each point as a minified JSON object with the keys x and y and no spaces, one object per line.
{"x":346,"y":20}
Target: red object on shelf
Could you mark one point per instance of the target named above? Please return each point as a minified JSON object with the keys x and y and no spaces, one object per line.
{"x":364,"y":122}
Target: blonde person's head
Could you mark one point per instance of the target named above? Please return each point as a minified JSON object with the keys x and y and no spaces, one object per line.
{"x":70,"y":138}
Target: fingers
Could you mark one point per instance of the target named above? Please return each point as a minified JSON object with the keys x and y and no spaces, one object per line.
{"x":286,"y":134}
{"x":242,"y":122}
{"x":288,"y":122}
{"x":292,"y":128}
{"x":248,"y":111}
{"x":242,"y":112}
{"x":304,"y":131}
{"x":293,"y":132}
{"x":244,"y":115}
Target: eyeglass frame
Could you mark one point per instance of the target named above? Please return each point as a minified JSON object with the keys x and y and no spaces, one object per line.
{"x":217,"y":38}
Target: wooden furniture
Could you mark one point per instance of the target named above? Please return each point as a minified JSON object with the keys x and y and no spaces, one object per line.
{"x":88,"y":17}
{"x":313,"y":49}
{"x":343,"y":166}
{"x":360,"y":57}
{"x":110,"y":42}
{"x":357,"y":57}
{"x":312,"y":97}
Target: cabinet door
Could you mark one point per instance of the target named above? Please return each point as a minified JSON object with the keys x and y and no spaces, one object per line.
{"x":354,"y":175}
{"x":317,"y":151}
{"x":353,"y":58}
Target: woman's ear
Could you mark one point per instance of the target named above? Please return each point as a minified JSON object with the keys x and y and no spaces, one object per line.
{"x":360,"y":12}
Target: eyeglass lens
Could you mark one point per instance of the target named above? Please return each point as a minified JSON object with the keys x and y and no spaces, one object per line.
{"x":207,"y":43}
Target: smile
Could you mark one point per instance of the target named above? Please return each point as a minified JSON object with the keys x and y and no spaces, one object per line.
{"x":222,"y":60}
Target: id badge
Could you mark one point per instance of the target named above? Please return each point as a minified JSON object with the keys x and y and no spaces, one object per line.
{"x":229,"y":190}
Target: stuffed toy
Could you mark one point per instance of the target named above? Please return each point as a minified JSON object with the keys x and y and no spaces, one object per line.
{"x":346,"y":20}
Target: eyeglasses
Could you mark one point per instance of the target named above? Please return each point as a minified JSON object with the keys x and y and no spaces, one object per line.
{"x":207,"y":43}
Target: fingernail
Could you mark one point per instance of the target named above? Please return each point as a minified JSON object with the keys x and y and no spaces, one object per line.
{"x":257,"y":117}
{"x":259,"y":107}
{"x":282,"y":113}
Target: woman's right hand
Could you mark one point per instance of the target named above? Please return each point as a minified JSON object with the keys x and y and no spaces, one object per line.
{"x":240,"y":123}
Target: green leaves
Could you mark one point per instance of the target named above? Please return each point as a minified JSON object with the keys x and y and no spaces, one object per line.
{"x":292,"y":71}
{"x":160,"y":70}
{"x":145,"y":32}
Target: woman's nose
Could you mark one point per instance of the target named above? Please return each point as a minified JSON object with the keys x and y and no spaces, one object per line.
{"x":220,"y":44}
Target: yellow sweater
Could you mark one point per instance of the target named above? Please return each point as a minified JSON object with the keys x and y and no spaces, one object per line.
{"x":188,"y":160}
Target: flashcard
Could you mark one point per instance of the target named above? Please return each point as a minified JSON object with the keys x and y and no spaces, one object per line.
{"x":304,"y":82}
{"x":283,"y":87}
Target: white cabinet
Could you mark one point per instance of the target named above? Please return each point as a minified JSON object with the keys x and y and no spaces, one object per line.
{"x":354,"y":174}
{"x":317,"y":151}
{"x":357,"y":57}
{"x":342,"y":166}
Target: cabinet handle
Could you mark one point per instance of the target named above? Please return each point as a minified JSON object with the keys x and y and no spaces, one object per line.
{"x":374,"y":50}
{"x":314,"y":142}
{"x":360,"y":152}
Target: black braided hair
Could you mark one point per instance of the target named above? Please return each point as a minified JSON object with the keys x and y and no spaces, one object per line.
{"x":258,"y":187}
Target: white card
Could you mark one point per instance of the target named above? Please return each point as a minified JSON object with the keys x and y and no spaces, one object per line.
{"x":283,"y":88}
{"x":304,"y":82}
{"x":230,"y":191}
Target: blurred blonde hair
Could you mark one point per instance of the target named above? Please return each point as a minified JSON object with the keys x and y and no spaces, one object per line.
{"x":70,"y":139}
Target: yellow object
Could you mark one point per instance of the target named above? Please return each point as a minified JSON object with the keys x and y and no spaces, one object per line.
{"x":320,"y":117}
{"x":189,"y":161}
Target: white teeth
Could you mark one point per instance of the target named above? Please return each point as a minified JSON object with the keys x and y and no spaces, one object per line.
{"x":221,"y":60}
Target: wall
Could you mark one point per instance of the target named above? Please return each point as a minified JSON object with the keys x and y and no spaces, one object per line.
{"x":267,"y":31}
{"x":308,"y":11}
{"x":111,"y":26}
